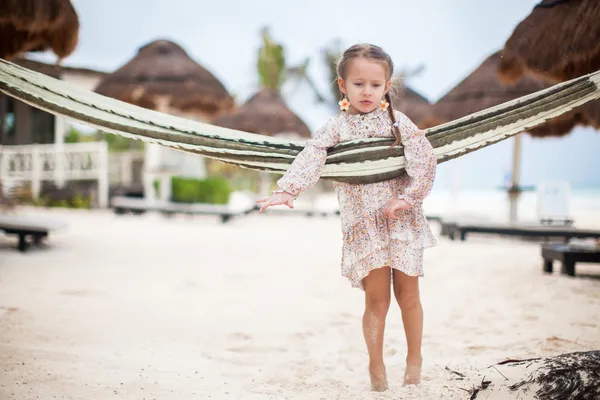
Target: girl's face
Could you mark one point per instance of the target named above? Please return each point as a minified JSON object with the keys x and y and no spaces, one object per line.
{"x":365,"y":85}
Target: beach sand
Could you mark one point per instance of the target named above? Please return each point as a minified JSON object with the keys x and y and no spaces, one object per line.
{"x":146,"y":307}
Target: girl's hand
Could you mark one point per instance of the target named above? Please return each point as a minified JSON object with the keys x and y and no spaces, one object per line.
{"x":275,"y":200}
{"x":395,"y":205}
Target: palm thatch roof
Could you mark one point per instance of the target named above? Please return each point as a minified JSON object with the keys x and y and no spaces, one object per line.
{"x":265,"y":113}
{"x":483,"y":89}
{"x":37,"y":25}
{"x":558,"y":41}
{"x":412,"y":104}
{"x":163,"y":76}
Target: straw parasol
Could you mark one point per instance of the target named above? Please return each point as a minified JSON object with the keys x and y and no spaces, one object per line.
{"x":411,"y":103}
{"x":265,"y":113}
{"x":483,"y":89}
{"x":478,"y":91}
{"x":163,"y":77}
{"x":558,"y":41}
{"x":37,"y":25}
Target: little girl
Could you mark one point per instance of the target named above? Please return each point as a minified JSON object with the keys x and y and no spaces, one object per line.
{"x":384,"y":229}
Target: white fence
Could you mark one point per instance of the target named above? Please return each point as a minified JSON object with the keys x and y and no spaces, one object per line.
{"x":59,"y":163}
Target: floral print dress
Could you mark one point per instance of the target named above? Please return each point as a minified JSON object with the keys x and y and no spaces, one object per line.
{"x":370,"y":239}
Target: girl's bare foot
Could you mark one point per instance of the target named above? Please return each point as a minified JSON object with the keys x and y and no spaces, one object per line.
{"x":379,"y":381}
{"x":412,"y":373}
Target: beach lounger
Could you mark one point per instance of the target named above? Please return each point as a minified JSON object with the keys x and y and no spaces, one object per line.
{"x":568,"y":255}
{"x":461,"y":229}
{"x":29,"y":229}
{"x":123,"y":205}
{"x":553,"y":203}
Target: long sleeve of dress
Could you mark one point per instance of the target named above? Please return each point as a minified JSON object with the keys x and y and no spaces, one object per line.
{"x":306,"y":169}
{"x":420,"y":161}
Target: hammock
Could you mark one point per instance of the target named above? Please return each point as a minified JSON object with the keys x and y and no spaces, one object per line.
{"x":357,"y":161}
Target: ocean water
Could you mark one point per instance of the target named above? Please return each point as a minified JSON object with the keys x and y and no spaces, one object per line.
{"x":491,"y":204}
{"x":494,"y":204}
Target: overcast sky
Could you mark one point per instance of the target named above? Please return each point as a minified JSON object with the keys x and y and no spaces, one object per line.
{"x":449,"y":38}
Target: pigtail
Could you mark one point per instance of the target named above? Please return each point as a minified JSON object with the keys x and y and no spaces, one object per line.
{"x":395,"y":129}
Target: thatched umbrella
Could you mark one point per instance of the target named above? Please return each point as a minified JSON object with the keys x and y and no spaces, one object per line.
{"x":163,"y":77}
{"x":558,"y":41}
{"x":480,"y":90}
{"x":37,"y":25}
{"x":411,"y":103}
{"x":483,"y":89}
{"x":265,"y":113}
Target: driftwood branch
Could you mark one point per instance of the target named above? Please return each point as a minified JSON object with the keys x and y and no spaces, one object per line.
{"x":455,"y":372}
{"x":511,"y":361}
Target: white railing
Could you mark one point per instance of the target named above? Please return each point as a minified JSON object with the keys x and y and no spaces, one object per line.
{"x":59,"y":163}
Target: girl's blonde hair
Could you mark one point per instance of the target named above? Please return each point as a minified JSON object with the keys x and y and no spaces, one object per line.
{"x":373,"y":53}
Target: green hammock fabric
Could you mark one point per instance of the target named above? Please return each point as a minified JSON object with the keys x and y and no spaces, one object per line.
{"x":356,"y":161}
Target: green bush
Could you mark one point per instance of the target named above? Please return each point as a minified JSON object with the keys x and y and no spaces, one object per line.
{"x":76,"y":201}
{"x":210,"y":190}
{"x":188,"y":190}
{"x":73,"y":136}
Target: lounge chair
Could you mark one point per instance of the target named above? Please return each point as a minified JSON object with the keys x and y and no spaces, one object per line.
{"x":568,"y":255}
{"x":553,"y":219}
{"x":29,"y":229}
{"x":553,"y":201}
{"x":123,"y":205}
{"x":456,"y":228}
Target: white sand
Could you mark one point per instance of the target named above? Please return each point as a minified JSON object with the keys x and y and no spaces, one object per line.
{"x":144,"y":307}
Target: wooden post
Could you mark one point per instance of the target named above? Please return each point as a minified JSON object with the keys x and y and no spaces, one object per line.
{"x":59,"y":152}
{"x":103,"y":183}
{"x":3,"y":106}
{"x":264,"y":184}
{"x":4,"y":183}
{"x":126,"y":167}
{"x":514,"y":191}
{"x":455,"y":182}
{"x":151,"y":164}
{"x":165,"y":187}
{"x":36,"y":172}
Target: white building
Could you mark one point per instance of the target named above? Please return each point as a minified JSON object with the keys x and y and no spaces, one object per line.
{"x":32,"y":148}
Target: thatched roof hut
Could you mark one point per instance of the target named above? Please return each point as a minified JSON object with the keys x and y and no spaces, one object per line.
{"x":265,"y":113}
{"x":558,"y":41}
{"x":411,"y":103}
{"x":37,"y":25}
{"x":163,"y":77}
{"x":483,"y":89}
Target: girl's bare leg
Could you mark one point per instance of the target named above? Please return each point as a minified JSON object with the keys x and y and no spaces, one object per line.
{"x":377,"y":304}
{"x":406,"y":291}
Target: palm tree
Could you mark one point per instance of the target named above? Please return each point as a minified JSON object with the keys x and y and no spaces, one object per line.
{"x":273,"y":70}
{"x":331,"y":54}
{"x":270,"y":62}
